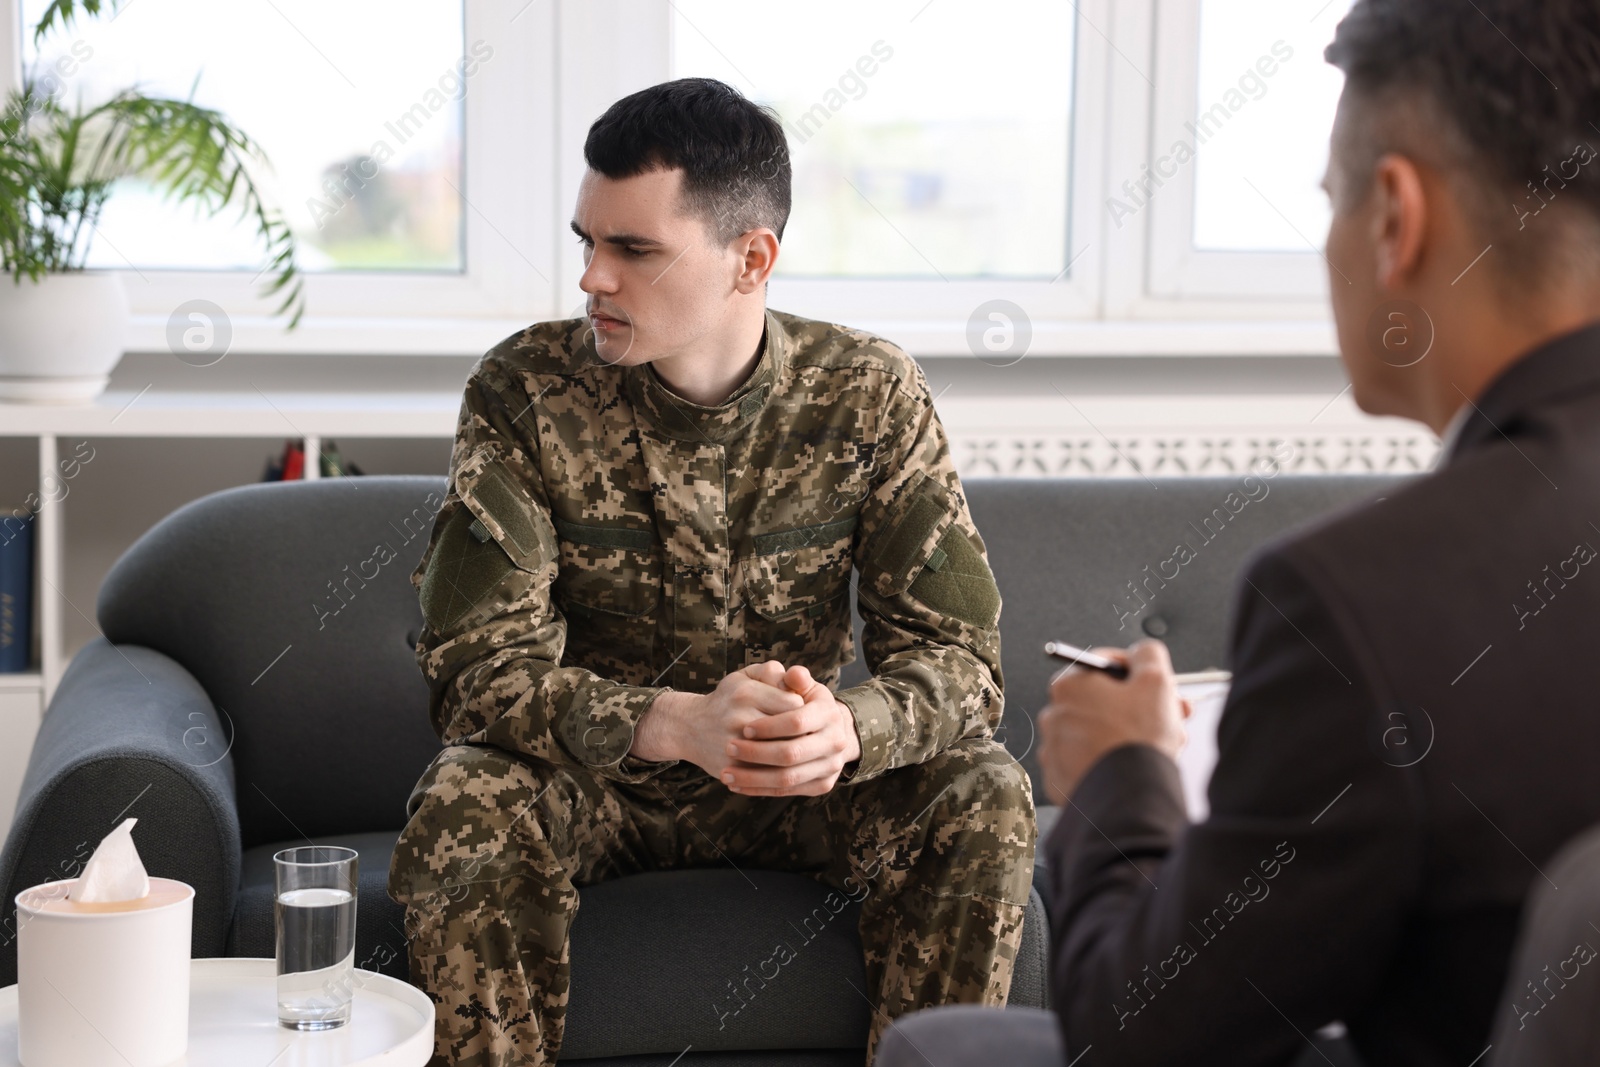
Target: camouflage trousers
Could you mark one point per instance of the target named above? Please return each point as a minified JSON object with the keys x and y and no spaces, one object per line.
{"x":940,"y":855}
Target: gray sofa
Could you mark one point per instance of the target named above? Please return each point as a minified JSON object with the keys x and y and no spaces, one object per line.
{"x":255,"y":687}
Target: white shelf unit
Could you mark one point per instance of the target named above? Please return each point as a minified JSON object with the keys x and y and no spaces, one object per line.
{"x":307,"y":415}
{"x":310,"y":416}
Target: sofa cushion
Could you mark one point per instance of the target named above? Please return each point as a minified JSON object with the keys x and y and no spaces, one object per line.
{"x":672,"y":958}
{"x":667,"y":959}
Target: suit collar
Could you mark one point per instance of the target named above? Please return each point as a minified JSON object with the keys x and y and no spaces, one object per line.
{"x":1562,"y":367}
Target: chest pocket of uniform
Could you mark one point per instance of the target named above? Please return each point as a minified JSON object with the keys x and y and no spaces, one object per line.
{"x":794,"y":587}
{"x":609,"y":587}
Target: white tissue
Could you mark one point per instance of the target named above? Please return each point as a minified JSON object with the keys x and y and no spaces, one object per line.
{"x":114,"y":872}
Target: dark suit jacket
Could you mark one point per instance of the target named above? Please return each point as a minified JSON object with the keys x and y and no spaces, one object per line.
{"x":1413,"y":730}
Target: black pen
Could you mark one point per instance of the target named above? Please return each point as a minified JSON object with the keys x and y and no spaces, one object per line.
{"x":1085,"y":658}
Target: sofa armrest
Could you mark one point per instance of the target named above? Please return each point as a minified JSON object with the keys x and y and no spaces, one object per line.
{"x":129,"y":732}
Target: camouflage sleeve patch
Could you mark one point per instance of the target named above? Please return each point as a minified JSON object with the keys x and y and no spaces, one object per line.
{"x":490,"y":549}
{"x":504,"y":510}
{"x":929,"y":604}
{"x":463,"y":571}
{"x":908,"y":535}
{"x":922,"y":548}
{"x":957,"y":581}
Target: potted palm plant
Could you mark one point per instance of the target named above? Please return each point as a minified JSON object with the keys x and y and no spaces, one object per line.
{"x":63,"y":328}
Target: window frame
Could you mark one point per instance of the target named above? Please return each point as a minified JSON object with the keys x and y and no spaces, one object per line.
{"x":1137,"y":289}
{"x":507,"y":280}
{"x":1177,"y":269}
{"x":930,"y":314}
{"x":1261,"y":283}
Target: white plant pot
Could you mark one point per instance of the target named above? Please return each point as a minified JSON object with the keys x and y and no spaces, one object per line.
{"x":60,"y":336}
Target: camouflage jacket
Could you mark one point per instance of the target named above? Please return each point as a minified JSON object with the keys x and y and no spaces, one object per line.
{"x":604,"y":539}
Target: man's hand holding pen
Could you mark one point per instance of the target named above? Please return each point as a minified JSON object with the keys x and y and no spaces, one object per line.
{"x":1091,"y":712}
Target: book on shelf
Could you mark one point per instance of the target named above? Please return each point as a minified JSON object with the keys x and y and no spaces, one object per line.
{"x":334,"y":465}
{"x":277,"y":468}
{"x":294,"y":462}
{"x":16,"y":588}
{"x":291,"y":464}
{"x":329,"y":464}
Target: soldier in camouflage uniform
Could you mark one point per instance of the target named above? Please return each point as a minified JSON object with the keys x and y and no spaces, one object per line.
{"x":608,"y":547}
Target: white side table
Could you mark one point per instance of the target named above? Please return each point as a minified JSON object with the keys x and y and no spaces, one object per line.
{"x":233,"y":1020}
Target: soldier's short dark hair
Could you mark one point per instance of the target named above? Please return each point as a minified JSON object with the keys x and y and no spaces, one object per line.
{"x":733,"y":153}
{"x":1508,"y":88}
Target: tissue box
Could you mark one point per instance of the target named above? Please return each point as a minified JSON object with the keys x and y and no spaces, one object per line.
{"x":103,"y":985}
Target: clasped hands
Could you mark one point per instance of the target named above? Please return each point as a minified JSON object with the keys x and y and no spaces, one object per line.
{"x":764,"y":731}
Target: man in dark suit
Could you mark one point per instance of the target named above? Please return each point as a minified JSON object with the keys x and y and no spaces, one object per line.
{"x":1413,"y":728}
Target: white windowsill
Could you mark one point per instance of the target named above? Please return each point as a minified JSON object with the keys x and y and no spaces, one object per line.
{"x":1060,"y":338}
{"x":234,"y":413}
{"x":153,"y":411}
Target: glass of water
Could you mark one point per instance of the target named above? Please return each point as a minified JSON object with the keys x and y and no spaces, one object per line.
{"x":314,"y":913}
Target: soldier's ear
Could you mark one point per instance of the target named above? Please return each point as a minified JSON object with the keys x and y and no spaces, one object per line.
{"x":757,"y":254}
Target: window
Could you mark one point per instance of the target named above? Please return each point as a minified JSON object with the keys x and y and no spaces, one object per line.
{"x":357,"y":105}
{"x":445,"y":245}
{"x":1244,"y":103}
{"x":948,"y":157}
{"x":928,"y":140}
{"x":1257,"y":188}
